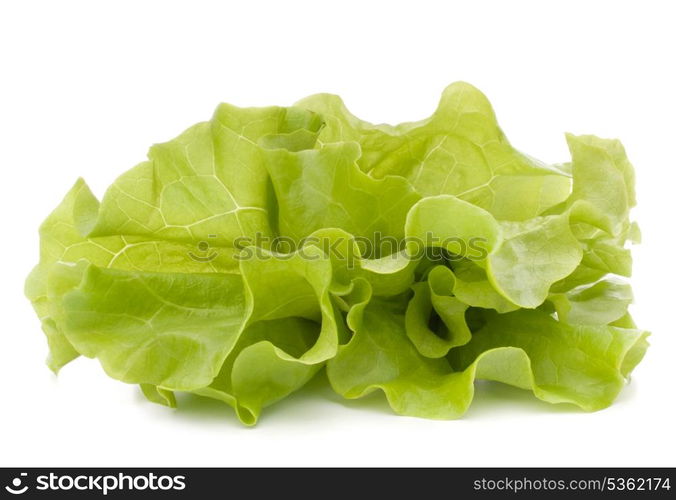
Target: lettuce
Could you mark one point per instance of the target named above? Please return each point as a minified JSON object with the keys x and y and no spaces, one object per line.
{"x":268,"y":244}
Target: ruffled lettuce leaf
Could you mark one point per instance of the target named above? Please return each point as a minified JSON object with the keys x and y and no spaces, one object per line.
{"x":582,"y":365}
{"x":458,"y":150}
{"x":211,"y":180}
{"x":167,"y":329}
{"x":317,"y":189}
{"x":267,"y":244}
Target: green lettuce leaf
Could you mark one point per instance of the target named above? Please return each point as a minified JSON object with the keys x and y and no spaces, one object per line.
{"x":459,"y":150}
{"x":209,"y":180}
{"x":585,"y":366}
{"x":324,"y":188}
{"x":167,"y":329}
{"x":603,"y":302}
{"x":435,"y":318}
{"x":265,"y":245}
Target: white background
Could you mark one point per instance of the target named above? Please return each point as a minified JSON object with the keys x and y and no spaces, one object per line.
{"x":86,"y":87}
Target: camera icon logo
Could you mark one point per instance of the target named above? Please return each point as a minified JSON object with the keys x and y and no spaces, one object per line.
{"x":15,"y":488}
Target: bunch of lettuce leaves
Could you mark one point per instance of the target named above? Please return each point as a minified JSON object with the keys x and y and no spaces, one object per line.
{"x":265,"y":245}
